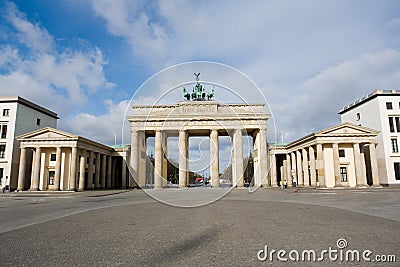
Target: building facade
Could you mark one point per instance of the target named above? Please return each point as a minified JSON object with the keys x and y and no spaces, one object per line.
{"x":380,"y":110}
{"x":340,"y":156}
{"x":346,"y":155}
{"x":18,"y":116}
{"x":67,"y":162}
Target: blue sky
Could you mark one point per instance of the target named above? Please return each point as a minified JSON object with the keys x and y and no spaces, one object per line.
{"x":85,"y":59}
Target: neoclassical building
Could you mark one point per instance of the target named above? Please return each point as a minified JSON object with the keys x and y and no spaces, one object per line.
{"x":340,"y":156}
{"x":51,"y":159}
{"x":198,"y":118}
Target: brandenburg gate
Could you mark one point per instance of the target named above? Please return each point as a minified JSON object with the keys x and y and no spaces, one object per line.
{"x":198,"y":115}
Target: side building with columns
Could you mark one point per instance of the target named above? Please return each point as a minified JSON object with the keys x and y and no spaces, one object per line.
{"x":68,"y":162}
{"x":18,"y":116}
{"x":340,"y":156}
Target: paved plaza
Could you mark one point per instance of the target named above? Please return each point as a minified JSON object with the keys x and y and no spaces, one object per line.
{"x":130,"y":228}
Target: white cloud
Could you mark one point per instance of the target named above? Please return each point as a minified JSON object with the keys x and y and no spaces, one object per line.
{"x":33,"y":36}
{"x":69,"y":76}
{"x":127,"y":19}
{"x":320,"y":98}
{"x":394,"y":23}
{"x":101,"y":128}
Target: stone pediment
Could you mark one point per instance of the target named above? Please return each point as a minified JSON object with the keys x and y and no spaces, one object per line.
{"x":347,"y":129}
{"x":47,"y":133}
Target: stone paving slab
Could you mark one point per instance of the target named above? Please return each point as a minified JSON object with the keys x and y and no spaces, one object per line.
{"x":226,"y":233}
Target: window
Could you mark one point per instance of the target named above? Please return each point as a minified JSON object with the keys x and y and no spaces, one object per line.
{"x":397,"y":170}
{"x":389,"y":105}
{"x":395,"y":147}
{"x":38,"y":122}
{"x":52,"y":174}
{"x":3,"y":131}
{"x":341,"y":153}
{"x":397,"y":120}
{"x":6,"y":112}
{"x":358,"y":116}
{"x":2,"y":151}
{"x":343,"y":174}
{"x":391,"y":124}
{"x":52,"y":157}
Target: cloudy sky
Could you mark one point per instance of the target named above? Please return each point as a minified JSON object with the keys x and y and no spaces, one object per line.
{"x":85,"y":59}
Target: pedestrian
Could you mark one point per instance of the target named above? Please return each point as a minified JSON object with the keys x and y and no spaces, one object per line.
{"x":5,"y":187}
{"x":285,"y":184}
{"x":281,"y":183}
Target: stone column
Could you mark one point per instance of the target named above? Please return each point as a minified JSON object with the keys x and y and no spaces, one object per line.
{"x":72,"y":177}
{"x":36,"y":170}
{"x":164,"y":151}
{"x":113,"y":171}
{"x":321,"y":164}
{"x":357,"y":163}
{"x":263,"y":157}
{"x":183,"y":159}
{"x":158,"y":158}
{"x":82,"y":165}
{"x":214,"y":158}
{"x":103,"y":171}
{"x":336,"y":163}
{"x":123,"y":174}
{"x":134,"y":169}
{"x":363,"y":165}
{"x":274,"y":178}
{"x":142,"y":159}
{"x":57,"y":173}
{"x":299,"y":168}
{"x":313,"y":170}
{"x":109,"y":172}
{"x":288,"y":170}
{"x":22,"y":169}
{"x":306,"y":178}
{"x":293,"y":167}
{"x":374,"y":165}
{"x":97,"y":172}
{"x":90,"y":171}
{"x":237,"y":168}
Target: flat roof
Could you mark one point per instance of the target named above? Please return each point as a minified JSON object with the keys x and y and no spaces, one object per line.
{"x":368,"y":98}
{"x":23,"y":101}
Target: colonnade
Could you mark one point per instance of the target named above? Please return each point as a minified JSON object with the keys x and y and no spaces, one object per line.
{"x":138,"y":154}
{"x":70,"y":168}
{"x":320,"y":165}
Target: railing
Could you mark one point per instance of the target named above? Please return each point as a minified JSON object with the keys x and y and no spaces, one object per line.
{"x":385,"y":92}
